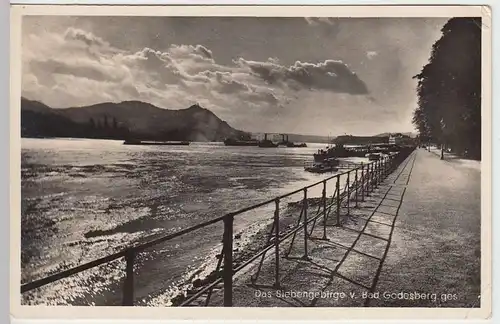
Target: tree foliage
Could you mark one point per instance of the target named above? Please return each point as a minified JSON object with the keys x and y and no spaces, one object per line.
{"x":48,"y":124}
{"x":449,"y":89}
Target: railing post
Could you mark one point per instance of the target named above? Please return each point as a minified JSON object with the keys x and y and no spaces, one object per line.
{"x":305,"y":225}
{"x":381,"y":172}
{"x":368,"y":179}
{"x":324,"y":210}
{"x":277,"y":244}
{"x":381,"y":169}
{"x":363,"y":176}
{"x":338,"y":199}
{"x":128,"y":286}
{"x":357,"y":184}
{"x":228,"y":260}
{"x":373,"y":177}
{"x":348,"y":190}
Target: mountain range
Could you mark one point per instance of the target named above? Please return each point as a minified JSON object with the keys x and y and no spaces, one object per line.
{"x":127,"y":119}
{"x":137,"y":120}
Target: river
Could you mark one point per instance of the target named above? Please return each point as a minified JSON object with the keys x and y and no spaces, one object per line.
{"x":83,"y":199}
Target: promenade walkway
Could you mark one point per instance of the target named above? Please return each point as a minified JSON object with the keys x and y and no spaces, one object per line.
{"x":436,"y":241}
{"x":419,"y":231}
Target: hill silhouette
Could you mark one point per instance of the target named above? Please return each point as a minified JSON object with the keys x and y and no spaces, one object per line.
{"x":124,"y":120}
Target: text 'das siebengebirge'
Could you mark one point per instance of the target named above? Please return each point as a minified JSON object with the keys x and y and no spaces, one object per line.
{"x":342,"y":295}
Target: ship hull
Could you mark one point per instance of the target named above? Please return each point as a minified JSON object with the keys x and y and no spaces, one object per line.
{"x":241,"y":143}
{"x":154,"y":143}
{"x":297,"y":145}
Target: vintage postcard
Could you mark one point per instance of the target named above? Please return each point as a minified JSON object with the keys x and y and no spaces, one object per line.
{"x":192,"y":162}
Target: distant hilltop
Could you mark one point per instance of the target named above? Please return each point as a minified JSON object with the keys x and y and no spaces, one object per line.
{"x":124,"y":120}
{"x":366,"y":140}
{"x":409,"y":134}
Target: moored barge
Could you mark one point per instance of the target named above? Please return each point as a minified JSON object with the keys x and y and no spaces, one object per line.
{"x":138,"y":142}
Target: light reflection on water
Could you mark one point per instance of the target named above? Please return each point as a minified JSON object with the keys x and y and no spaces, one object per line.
{"x":83,"y":199}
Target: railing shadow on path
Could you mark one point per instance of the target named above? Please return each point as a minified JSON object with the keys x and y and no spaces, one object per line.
{"x":322,"y":224}
{"x":320,"y":272}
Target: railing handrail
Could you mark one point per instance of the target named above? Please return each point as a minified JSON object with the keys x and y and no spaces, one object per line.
{"x":141,"y":247}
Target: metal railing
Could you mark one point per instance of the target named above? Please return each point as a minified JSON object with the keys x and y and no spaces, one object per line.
{"x":360,"y":181}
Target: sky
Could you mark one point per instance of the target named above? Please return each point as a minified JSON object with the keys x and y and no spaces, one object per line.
{"x":317,"y":76}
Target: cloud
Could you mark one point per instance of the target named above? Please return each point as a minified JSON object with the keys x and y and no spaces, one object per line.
{"x":329,"y":75}
{"x":77,"y":68}
{"x":324,"y":26}
{"x":193,"y":51}
{"x":318,"y":20}
{"x":80,"y":68}
{"x":371,"y":54}
{"x":30,"y":82}
{"x":88,"y":38}
{"x":225,"y":83}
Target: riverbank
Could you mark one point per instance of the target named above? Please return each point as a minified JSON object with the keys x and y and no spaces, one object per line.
{"x":84,"y":199}
{"x":414,"y":242}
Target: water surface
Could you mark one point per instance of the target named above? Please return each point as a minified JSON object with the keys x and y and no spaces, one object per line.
{"x":83,"y":199}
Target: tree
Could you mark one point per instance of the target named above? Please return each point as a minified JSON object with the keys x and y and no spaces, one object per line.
{"x":115,"y":123}
{"x":449,"y":89}
{"x":106,"y":125}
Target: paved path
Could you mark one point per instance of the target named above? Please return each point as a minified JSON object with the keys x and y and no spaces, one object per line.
{"x":435,"y":246}
{"x":417,"y":232}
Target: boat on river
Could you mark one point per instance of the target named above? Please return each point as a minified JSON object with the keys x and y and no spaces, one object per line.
{"x":138,"y":142}
{"x":235,"y":142}
{"x":373,"y":156}
{"x":267,"y":143}
{"x":339,"y":151}
{"x":328,"y":165}
{"x":287,"y":143}
{"x":290,"y":144}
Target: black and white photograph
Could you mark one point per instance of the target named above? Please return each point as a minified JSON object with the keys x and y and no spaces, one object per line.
{"x":252,"y":161}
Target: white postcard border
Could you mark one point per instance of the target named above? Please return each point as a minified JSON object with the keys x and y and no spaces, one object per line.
{"x":35,"y":312}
